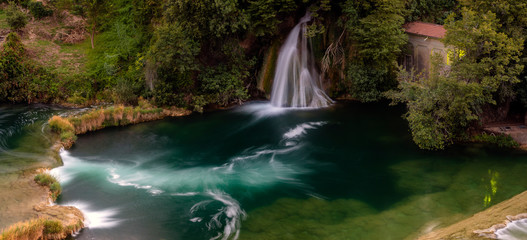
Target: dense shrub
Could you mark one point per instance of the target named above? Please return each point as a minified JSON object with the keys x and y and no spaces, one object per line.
{"x":46,"y":179}
{"x":23,"y":3}
{"x":376,"y":38}
{"x":365,"y":83}
{"x":501,"y":140}
{"x":16,"y":19}
{"x":38,"y":10}
{"x":22,"y":80}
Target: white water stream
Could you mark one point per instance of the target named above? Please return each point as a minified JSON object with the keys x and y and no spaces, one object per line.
{"x":297,"y":81}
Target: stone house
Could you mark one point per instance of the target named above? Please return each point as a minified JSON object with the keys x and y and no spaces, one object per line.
{"x":423,"y":42}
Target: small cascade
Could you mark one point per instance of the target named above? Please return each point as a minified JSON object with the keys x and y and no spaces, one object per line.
{"x":297,"y":82}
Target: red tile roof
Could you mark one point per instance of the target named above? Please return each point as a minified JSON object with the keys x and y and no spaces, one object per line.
{"x":425,"y":29}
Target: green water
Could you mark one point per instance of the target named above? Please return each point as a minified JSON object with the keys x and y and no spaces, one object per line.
{"x":345,"y":172}
{"x":24,"y":145}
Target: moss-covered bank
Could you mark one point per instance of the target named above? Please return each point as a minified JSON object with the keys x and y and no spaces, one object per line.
{"x":52,"y":222}
{"x":41,"y":228}
{"x":119,"y":115}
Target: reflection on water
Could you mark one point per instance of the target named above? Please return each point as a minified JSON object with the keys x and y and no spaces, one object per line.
{"x":491,"y":188}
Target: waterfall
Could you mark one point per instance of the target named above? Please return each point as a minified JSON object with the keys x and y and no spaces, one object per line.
{"x":296,"y":81}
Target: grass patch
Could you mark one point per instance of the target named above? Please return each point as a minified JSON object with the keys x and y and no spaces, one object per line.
{"x":39,"y":229}
{"x":46,"y":179}
{"x":73,"y":58}
{"x":117,"y":115}
{"x":65,"y":130}
{"x":60,"y":124}
{"x":3,"y":20}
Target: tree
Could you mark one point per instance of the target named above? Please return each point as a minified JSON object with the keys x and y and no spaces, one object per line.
{"x":435,"y":11}
{"x":95,"y":11}
{"x":440,"y":107}
{"x":264,"y":15}
{"x":377,"y":37}
{"x":486,"y":60}
{"x":490,"y":57}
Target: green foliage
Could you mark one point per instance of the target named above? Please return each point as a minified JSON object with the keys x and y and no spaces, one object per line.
{"x":365,"y":83}
{"x":3,"y":20}
{"x":377,"y":38}
{"x":68,"y":136}
{"x":264,"y":15}
{"x":223,"y":85}
{"x":196,"y":55}
{"x":16,"y":19}
{"x":173,"y":50}
{"x":22,"y":3}
{"x":11,"y":58}
{"x":316,"y":10}
{"x":40,"y":228}
{"x":116,"y":63}
{"x":22,"y":80}
{"x":501,"y":140}
{"x":205,"y":19}
{"x":38,"y":10}
{"x":52,"y":227}
{"x":379,"y":35}
{"x":490,"y":56}
{"x":511,"y":15}
{"x":486,"y":57}
{"x":96,"y":12}
{"x":440,"y":107}
{"x":434,"y":11}
{"x":46,"y":179}
{"x":60,"y":125}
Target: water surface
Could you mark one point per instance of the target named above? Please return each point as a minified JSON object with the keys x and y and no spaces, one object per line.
{"x":349,"y":171}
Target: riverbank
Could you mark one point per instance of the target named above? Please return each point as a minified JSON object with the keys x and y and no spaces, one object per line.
{"x":38,"y":218}
{"x":483,"y":225}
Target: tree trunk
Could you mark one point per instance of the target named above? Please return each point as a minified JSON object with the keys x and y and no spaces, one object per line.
{"x":92,"y":36}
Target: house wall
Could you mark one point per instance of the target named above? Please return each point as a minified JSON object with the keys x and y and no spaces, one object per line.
{"x":420,"y":50}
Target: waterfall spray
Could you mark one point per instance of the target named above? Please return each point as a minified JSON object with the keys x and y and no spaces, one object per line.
{"x":297,"y":82}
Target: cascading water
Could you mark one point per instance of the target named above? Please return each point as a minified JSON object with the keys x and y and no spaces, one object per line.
{"x":297,"y":82}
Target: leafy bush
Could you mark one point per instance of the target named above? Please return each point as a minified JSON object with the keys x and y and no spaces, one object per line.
{"x":440,"y":108}
{"x":264,"y":15}
{"x":46,"y":179}
{"x":22,"y":80}
{"x":124,"y":92}
{"x":52,"y":227}
{"x":38,"y":10}
{"x":435,"y":11}
{"x":501,"y":140}
{"x":376,"y":38}
{"x":67,"y":136}
{"x":23,"y":3}
{"x":59,"y":124}
{"x":16,"y":19}
{"x":222,"y":85}
{"x":365,"y":83}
